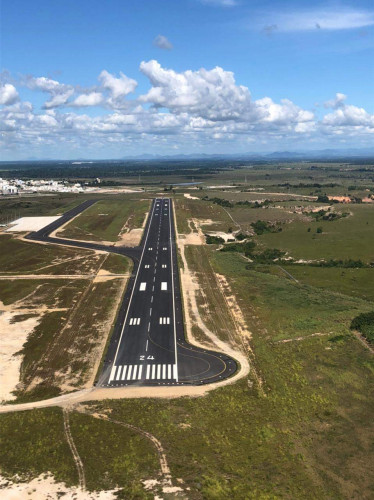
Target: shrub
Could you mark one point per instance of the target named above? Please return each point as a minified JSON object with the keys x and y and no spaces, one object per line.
{"x":364,"y":323}
{"x":214,"y":240}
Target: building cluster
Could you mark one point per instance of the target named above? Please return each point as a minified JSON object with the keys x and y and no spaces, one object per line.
{"x":18,"y":186}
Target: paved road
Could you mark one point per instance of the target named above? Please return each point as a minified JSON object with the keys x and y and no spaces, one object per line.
{"x":148,"y":346}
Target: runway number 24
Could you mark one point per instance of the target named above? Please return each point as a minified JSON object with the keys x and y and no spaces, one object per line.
{"x":142,"y":357}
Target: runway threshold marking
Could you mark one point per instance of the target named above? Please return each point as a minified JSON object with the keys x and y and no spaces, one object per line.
{"x":132,"y":294}
{"x":142,"y":287}
{"x":164,"y":285}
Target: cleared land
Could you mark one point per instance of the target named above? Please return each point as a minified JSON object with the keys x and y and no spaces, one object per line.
{"x":107,"y":219}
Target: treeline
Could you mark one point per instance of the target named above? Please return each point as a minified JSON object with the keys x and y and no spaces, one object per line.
{"x":113,"y":169}
{"x":228,"y":204}
{"x":309,"y":185}
{"x":327,"y":216}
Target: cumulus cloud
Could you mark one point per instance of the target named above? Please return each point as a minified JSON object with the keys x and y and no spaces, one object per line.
{"x":91,"y":99}
{"x":347,"y":115}
{"x":59,"y":92}
{"x":213,"y":95}
{"x":206,"y":106}
{"x":322,"y":18}
{"x":118,"y":87}
{"x":337,"y":102}
{"x":162,"y":42}
{"x":8,"y":94}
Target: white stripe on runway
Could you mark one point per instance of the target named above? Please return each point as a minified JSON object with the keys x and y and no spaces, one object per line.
{"x":153,"y":371}
{"x":163,"y":371}
{"x":164,"y":285}
{"x":140,"y":372}
{"x":118,"y":373}
{"x":158,"y":371}
{"x":112,"y":372}
{"x":175,"y":373}
{"x":142,"y":287}
{"x":169,"y":371}
{"x":134,"y":372}
{"x":148,"y":370}
{"x":124,"y":372}
{"x":129,"y":372}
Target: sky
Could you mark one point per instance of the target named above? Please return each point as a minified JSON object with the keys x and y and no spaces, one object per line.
{"x":109,"y":79}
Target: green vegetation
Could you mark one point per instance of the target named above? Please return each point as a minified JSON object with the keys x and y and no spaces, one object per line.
{"x":117,"y":264}
{"x":364,"y":323}
{"x":33,"y":443}
{"x":34,"y":258}
{"x":348,"y":238}
{"x":121,"y":456}
{"x":261,"y":227}
{"x":214,"y":240}
{"x":104,"y":220}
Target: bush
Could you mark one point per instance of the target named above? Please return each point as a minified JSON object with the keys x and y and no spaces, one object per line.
{"x":214,"y":240}
{"x":241,"y":236}
{"x":319,"y":230}
{"x":246,"y":248}
{"x":268,"y":256}
{"x":364,"y":323}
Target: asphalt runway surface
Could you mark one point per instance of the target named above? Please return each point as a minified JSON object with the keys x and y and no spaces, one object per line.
{"x":148,"y":346}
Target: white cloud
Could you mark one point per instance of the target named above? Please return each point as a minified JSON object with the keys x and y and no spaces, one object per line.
{"x":203,"y":107}
{"x":349,"y":116}
{"x":321,"y":18}
{"x":59,"y":92}
{"x":214,"y":95}
{"x":118,"y":87}
{"x":211,"y":94}
{"x":162,"y":42}
{"x":8,"y":94}
{"x":91,"y":99}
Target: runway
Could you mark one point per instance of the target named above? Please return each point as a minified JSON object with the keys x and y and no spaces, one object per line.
{"x":148,"y":346}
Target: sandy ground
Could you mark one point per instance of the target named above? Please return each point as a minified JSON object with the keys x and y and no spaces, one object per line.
{"x":12,"y":338}
{"x":221,"y":234}
{"x":45,"y":487}
{"x":30,"y":223}
{"x":187,"y":195}
{"x":132,"y":237}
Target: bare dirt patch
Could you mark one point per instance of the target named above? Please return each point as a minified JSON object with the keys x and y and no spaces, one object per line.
{"x":30,"y":223}
{"x":44,"y":487}
{"x":187,"y":195}
{"x":12,"y":337}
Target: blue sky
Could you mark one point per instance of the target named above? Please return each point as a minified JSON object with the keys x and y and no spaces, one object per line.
{"x":198,"y":76}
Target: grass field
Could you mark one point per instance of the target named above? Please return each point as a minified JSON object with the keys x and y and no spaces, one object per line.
{"x":104,"y":220}
{"x":349,"y":237}
{"x":33,"y":443}
{"x":34,"y":258}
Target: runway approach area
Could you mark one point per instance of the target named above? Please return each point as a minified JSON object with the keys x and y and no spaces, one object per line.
{"x":147,"y":345}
